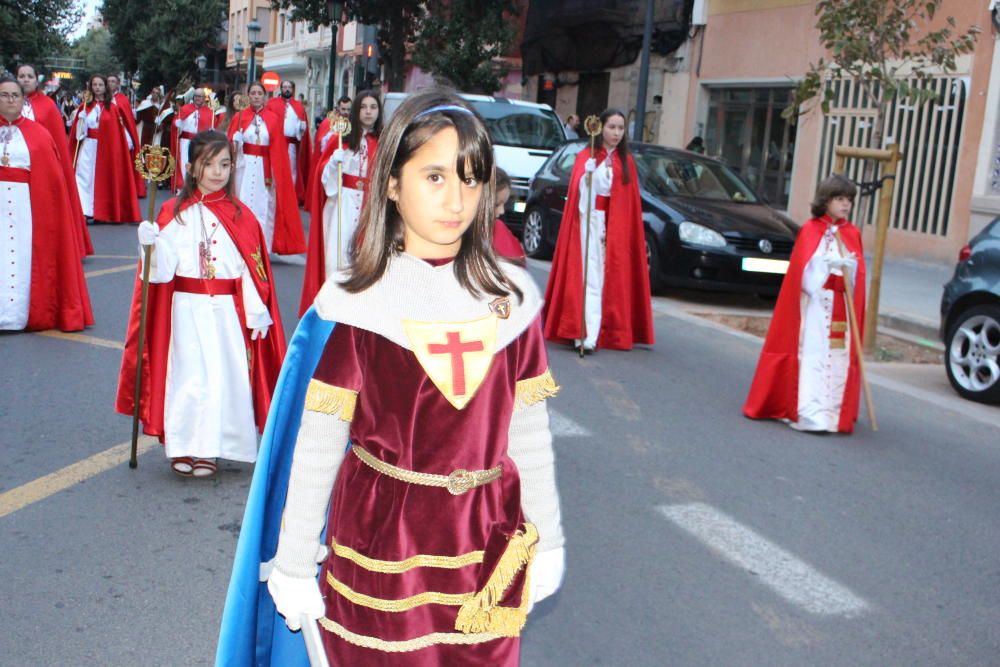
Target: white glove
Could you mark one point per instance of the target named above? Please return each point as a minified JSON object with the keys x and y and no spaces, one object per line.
{"x":847,"y":264}
{"x":237,"y":137}
{"x":590,"y":166}
{"x":295,"y":597}
{"x":148,"y":231}
{"x":338,"y":155}
{"x":259,"y":332}
{"x":547,"y":571}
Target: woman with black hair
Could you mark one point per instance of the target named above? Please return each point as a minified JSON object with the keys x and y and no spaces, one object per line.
{"x":610,"y":305}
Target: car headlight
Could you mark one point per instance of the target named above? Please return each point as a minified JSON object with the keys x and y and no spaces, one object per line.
{"x":695,"y":234}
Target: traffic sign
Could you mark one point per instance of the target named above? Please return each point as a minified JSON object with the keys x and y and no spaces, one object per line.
{"x":271,"y":81}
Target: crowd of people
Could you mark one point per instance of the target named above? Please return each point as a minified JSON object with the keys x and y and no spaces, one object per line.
{"x":421,"y":343}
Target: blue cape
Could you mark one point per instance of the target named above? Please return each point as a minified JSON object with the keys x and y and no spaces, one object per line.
{"x":253,"y":633}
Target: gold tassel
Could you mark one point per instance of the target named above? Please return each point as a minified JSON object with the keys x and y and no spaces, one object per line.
{"x":331,"y":400}
{"x":530,"y":391}
{"x":482,"y":613}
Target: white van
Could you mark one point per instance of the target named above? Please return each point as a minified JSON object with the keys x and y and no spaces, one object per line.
{"x":524,"y":134}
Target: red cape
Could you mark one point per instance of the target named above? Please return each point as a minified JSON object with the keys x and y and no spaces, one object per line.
{"x":115,"y":198}
{"x":774,"y":392}
{"x":128,"y":120}
{"x":48,"y":116}
{"x":265,"y":354}
{"x":206,"y":121}
{"x":59,"y":297}
{"x":316,"y":154}
{"x":303,"y":162}
{"x":505,"y":243}
{"x":289,"y":238}
{"x":316,"y":255}
{"x":626,"y":309}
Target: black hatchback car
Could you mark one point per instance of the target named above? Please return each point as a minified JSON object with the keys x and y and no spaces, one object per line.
{"x":705,"y":227}
{"x":970,"y":318}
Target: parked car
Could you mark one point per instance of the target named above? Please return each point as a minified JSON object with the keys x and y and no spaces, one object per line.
{"x":970,"y":318}
{"x":705,"y":227}
{"x":524,"y":134}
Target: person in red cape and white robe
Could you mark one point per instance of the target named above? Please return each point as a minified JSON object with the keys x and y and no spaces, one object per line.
{"x":296,"y":131}
{"x":264,"y":176}
{"x":214,"y":342}
{"x":42,"y":285}
{"x":40,"y":108}
{"x":194,"y":117}
{"x":808,"y":372}
{"x":103,"y":160}
{"x":128,"y":119}
{"x":152,"y":116}
{"x":357,"y":159}
{"x":619,"y":311}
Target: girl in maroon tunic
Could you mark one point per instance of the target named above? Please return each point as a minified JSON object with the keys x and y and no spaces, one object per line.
{"x":436,"y":371}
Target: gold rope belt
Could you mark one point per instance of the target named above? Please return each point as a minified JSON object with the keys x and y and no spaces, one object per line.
{"x":457,"y":483}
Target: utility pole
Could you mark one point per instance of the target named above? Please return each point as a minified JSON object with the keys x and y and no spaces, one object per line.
{"x":640,"y":105}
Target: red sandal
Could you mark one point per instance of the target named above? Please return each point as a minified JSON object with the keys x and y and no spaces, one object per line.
{"x":182,"y":465}
{"x":204,"y":468}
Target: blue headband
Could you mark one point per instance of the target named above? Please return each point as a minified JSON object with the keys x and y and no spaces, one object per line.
{"x":443,"y":107}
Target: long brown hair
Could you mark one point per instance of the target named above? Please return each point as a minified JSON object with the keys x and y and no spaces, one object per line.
{"x":205,"y":146}
{"x":832,"y":186}
{"x":90,"y":87}
{"x":622,"y":147}
{"x":353,"y":139}
{"x":381,"y":230}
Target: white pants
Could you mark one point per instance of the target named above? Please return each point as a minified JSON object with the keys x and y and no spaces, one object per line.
{"x":593,"y":263}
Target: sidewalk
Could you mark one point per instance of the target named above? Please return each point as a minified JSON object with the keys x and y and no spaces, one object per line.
{"x":910,"y":299}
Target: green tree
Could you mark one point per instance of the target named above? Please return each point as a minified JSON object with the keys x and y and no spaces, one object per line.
{"x":94,"y":49}
{"x":876,"y":42}
{"x":460,"y":40}
{"x":396,"y":21}
{"x":34,"y":29}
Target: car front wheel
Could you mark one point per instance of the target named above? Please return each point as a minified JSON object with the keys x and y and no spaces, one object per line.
{"x":973,"y":354}
{"x":533,"y":235}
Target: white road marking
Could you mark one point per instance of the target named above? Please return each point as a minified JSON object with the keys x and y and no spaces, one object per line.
{"x":789,"y":577}
{"x":564,"y":427}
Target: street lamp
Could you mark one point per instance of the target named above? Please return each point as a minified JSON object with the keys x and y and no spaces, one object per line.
{"x":253,"y":33}
{"x":202,"y":62}
{"x":238,"y":56}
{"x":334,"y":10}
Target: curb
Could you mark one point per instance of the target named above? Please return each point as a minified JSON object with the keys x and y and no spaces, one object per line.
{"x":908,"y":324}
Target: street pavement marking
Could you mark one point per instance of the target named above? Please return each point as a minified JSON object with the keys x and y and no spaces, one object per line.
{"x":82,"y":338}
{"x":789,"y":577}
{"x":43,"y":487}
{"x":564,"y":427}
{"x":113,"y":269}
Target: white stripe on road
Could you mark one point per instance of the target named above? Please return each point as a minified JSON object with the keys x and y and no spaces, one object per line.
{"x":777,"y":569}
{"x":564,"y":427}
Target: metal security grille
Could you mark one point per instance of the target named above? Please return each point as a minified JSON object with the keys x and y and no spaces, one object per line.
{"x":928,"y":136}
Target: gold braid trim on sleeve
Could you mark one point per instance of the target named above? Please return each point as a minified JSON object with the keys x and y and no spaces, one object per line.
{"x":331,"y":400}
{"x":530,"y":391}
{"x":400,"y":566}
{"x":483,"y":612}
{"x":402,"y":604}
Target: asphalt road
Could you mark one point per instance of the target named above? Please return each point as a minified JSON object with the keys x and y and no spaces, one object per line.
{"x":694,"y":536}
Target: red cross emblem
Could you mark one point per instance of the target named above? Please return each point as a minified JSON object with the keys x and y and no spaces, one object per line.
{"x":456,"y":348}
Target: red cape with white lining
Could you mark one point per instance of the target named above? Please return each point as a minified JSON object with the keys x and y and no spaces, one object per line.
{"x":303,"y":160}
{"x":115,"y":198}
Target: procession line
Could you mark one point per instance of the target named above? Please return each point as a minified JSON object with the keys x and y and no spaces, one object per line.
{"x":82,"y":338}
{"x":48,"y":485}
{"x":113,"y":269}
{"x":792,"y":579}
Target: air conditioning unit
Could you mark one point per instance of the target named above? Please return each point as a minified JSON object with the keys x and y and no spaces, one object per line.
{"x":699,"y":13}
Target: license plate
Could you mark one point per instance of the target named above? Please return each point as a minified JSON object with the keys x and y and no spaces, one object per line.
{"x":519,"y":206}
{"x":760,"y":265}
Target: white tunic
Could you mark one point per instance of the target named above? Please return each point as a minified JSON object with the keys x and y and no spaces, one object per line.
{"x":356,"y":164}
{"x":822,"y":369}
{"x":86,"y":157}
{"x":26,"y":109}
{"x":294,"y":129}
{"x":15,"y":234}
{"x":189,"y":124}
{"x":603,"y":179}
{"x":209,"y":406}
{"x":251,"y":188}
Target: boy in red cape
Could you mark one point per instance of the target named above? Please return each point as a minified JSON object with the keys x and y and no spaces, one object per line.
{"x":194,"y":117}
{"x":618,"y":298}
{"x":119,"y":98}
{"x":808,"y":371}
{"x":295,"y":125}
{"x":214,"y":341}
{"x":49,"y":290}
{"x":263,"y":177}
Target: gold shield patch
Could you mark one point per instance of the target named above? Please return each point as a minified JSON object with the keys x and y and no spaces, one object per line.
{"x":455,"y":355}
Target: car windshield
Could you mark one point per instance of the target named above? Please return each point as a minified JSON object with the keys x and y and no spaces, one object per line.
{"x":667,"y":174}
{"x":519,"y":126}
